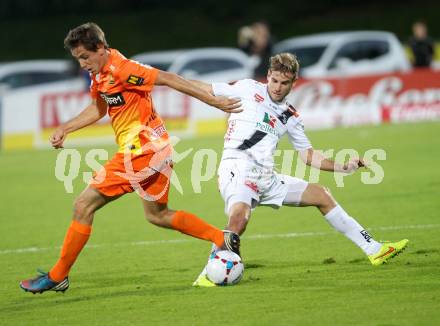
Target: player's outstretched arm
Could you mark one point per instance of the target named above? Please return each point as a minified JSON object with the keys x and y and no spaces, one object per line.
{"x":92,"y":113}
{"x":317,"y":160}
{"x":205,"y":86}
{"x":195,"y":89}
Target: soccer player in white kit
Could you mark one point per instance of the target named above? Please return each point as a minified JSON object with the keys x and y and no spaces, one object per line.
{"x":246,"y":175}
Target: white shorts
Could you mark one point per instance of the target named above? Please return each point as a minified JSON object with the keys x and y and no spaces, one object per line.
{"x":243,"y":181}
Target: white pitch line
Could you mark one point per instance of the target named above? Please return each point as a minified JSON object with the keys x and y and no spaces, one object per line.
{"x":249,"y":237}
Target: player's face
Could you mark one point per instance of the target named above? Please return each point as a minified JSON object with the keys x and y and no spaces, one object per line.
{"x":279,"y":84}
{"x":90,"y":60}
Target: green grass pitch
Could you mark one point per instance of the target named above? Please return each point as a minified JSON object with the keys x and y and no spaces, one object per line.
{"x":297,"y":269}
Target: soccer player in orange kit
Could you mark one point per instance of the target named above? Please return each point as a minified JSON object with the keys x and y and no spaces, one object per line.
{"x":122,"y":88}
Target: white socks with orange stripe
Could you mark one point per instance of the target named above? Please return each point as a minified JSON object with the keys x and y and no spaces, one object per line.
{"x":341,"y":221}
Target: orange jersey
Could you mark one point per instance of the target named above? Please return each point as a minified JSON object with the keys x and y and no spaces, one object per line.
{"x":125,"y":85}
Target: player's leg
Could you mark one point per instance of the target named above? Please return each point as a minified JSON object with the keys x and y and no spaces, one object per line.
{"x":154,"y":192}
{"x":238,"y":200}
{"x":338,"y":218}
{"x":238,"y":207}
{"x":159,"y":214}
{"x":76,"y":238}
{"x":106,"y":185}
{"x":239,"y":215}
{"x":84,"y":208}
{"x":238,"y":197}
{"x":237,"y":193}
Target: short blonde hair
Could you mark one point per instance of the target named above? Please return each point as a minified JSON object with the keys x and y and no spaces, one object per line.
{"x":285,"y":63}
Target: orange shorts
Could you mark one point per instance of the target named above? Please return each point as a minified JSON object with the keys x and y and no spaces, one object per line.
{"x":147,"y":174}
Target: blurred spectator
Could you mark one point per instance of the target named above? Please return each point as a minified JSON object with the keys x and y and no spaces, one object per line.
{"x":256,"y":41}
{"x":421,"y":45}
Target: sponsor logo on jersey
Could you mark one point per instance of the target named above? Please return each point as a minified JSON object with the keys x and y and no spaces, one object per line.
{"x":269,"y":119}
{"x":113,"y":99}
{"x":135,"y":80}
{"x":268,"y":124}
{"x":258,"y":98}
{"x":266,"y":128}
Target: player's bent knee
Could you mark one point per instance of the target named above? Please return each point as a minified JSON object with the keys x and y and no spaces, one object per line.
{"x":319,"y":195}
{"x":152,"y":217}
{"x":157,"y":217}
{"x":79,"y":206}
{"x":328,"y":196}
{"x":325,"y":198}
{"x":83,"y":210}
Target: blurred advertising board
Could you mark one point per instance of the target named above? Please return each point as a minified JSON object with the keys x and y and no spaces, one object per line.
{"x":29,"y":115}
{"x":390,"y":98}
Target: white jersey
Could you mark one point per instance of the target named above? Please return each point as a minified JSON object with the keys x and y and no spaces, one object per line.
{"x":255,"y":132}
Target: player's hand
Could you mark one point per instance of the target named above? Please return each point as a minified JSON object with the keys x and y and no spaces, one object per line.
{"x":354,"y":164}
{"x":58,"y":137}
{"x":226,"y":104}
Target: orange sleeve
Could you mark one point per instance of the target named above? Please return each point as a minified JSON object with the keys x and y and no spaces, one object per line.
{"x":137,"y":76}
{"x":93,"y":87}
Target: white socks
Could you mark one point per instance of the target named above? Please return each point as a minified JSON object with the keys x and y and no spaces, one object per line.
{"x":341,"y":221}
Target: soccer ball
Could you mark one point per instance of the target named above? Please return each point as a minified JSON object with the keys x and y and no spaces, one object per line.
{"x":224,"y":268}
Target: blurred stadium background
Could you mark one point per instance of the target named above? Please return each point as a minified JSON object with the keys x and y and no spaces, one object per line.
{"x":35,"y":29}
{"x":152,"y":30}
{"x":134,"y":276}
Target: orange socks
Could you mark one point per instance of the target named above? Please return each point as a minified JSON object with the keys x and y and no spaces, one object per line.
{"x":76,"y":238}
{"x":192,"y":225}
{"x":78,"y":235}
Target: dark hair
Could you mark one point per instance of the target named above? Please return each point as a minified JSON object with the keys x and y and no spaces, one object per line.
{"x":285,"y":63}
{"x":89,"y":35}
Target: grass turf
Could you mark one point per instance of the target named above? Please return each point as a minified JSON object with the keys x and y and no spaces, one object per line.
{"x":298,"y":270}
